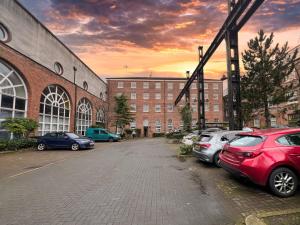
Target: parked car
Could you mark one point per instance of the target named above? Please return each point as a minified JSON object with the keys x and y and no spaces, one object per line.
{"x":210,"y":145}
{"x":267,"y":157}
{"x":100,"y":134}
{"x":63,"y":140}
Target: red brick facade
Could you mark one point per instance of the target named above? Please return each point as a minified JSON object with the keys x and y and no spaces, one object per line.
{"x":168,"y":97}
{"x":37,"y":78}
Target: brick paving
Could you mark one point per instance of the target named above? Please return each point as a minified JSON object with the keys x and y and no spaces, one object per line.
{"x":129,"y":183}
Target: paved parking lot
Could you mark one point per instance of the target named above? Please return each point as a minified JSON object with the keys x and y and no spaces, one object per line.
{"x":128,"y":183}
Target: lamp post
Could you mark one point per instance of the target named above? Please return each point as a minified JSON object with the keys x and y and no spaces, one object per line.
{"x":75,"y":97}
{"x":187,"y":94}
{"x":201,"y":96}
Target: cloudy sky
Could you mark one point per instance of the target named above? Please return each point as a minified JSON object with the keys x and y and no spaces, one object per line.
{"x":158,"y":37}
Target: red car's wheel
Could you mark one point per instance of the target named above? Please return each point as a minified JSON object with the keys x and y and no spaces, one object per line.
{"x":283,"y":182}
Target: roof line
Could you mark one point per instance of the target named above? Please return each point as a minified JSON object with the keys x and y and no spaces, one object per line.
{"x":27,"y":11}
{"x":153,"y":78}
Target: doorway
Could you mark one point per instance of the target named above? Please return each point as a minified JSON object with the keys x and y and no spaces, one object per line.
{"x":145,"y":131}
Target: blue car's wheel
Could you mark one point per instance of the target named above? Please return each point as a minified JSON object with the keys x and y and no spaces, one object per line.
{"x":41,"y":147}
{"x":75,"y":147}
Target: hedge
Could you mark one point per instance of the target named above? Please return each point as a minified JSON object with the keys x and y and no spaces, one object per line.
{"x":16,"y":144}
{"x":158,"y":134}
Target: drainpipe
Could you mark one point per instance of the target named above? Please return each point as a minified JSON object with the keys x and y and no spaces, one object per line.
{"x":75,"y":98}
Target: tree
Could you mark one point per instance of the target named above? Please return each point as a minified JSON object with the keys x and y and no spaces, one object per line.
{"x":122,"y":111}
{"x":186,"y":117}
{"x":20,"y":127}
{"x":266,"y":68}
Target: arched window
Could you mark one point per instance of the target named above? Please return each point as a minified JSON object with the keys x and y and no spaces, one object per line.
{"x":100,"y":116}
{"x":54,"y":110}
{"x":84,"y":116}
{"x":85,"y":85}
{"x":13,"y":96}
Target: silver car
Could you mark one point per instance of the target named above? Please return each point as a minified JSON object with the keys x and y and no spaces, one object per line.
{"x":211,"y":144}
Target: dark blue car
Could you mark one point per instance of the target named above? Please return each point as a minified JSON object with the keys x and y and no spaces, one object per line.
{"x":63,"y":140}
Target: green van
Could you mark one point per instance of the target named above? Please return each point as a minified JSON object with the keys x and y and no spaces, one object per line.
{"x":100,"y":134}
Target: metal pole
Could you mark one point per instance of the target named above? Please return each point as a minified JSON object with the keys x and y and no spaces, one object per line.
{"x":187,"y":93}
{"x":75,"y":98}
{"x":201,"y":96}
{"x":233,"y":71}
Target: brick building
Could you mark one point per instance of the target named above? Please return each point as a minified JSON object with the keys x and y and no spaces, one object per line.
{"x":152,"y":102}
{"x":42,"y":79}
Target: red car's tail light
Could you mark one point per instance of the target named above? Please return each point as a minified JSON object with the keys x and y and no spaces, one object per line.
{"x":250,"y":154}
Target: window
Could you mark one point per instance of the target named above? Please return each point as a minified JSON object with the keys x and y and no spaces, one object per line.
{"x":146,"y":123}
{"x":283,"y":141}
{"x":119,"y":94}
{"x":157,"y":85}
{"x":100,"y":116}
{"x":215,"y":86}
{"x":157,"y":96}
{"x":133,"y":96}
{"x":273,"y":122}
{"x":85,"y":85}
{"x":157,"y":108}
{"x":146,"y":108}
{"x":294,"y":139}
{"x":170,"y":124}
{"x":5,"y":35}
{"x":170,"y":107}
{"x":157,"y":126}
{"x":216,"y":97}
{"x":205,"y":86}
{"x":13,"y":96}
{"x":206,"y":96}
{"x":246,"y":141}
{"x":194,"y":123}
{"x":181,"y":85}
{"x":145,"y":85}
{"x":120,"y":84}
{"x":194,"y":108}
{"x":170,"y":86}
{"x":194,"y":86}
{"x":194,"y":97}
{"x":84,"y":116}
{"x":133,"y":108}
{"x":146,"y":96}
{"x":133,"y":84}
{"x":216,"y":108}
{"x":256,"y":123}
{"x":54,"y":110}
{"x":216,"y":120}
{"x":132,"y":125}
{"x":58,"y":68}
{"x":181,"y":124}
{"x":170,"y":96}
{"x":206,"y":107}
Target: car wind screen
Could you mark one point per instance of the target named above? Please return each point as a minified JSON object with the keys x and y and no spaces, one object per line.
{"x":246,"y":141}
{"x":205,"y":138}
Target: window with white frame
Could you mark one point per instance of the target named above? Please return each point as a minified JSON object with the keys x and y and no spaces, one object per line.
{"x":146,"y":96}
{"x":120,"y":84}
{"x":132,"y":107}
{"x":133,"y":84}
{"x":157,"y":96}
{"x":157,"y":108}
{"x":170,"y":124}
{"x":194,"y":97}
{"x":256,"y":123}
{"x":133,"y":96}
{"x":119,"y":94}
{"x":181,"y":85}
{"x":170,"y":86}
{"x":181,"y":124}
{"x":273,"y":122}
{"x":100,"y":116}
{"x":157,"y":85}
{"x":145,"y":85}
{"x":170,"y":107}
{"x":194,"y":123}
{"x":206,"y":96}
{"x":216,"y":108}
{"x":216,"y":96}
{"x":133,"y":125}
{"x":157,"y":126}
{"x":216,"y":120}
{"x":194,"y":108}
{"x":13,"y":96}
{"x":206,"y":107}
{"x":193,"y":86}
{"x":84,"y":116}
{"x":145,"y":108}
{"x":205,"y":85}
{"x":55,"y":109}
{"x":215,"y":86}
{"x":170,"y":96}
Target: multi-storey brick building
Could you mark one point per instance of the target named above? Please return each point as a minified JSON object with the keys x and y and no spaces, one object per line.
{"x":152,"y":100}
{"x":42,"y":79}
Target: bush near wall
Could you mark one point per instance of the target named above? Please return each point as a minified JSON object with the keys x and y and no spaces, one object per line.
{"x":16,"y":144}
{"x":175,"y":135}
{"x":185,"y":149}
{"x":158,"y":135}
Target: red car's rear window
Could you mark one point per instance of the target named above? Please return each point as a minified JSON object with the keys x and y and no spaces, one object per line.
{"x":246,"y":141}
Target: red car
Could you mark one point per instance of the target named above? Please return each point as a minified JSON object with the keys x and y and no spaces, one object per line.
{"x":268,"y":157}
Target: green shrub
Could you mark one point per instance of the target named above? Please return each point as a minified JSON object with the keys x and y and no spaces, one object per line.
{"x":128,"y":131}
{"x":175,"y":135}
{"x":17,"y":144}
{"x":185,"y":149}
{"x":158,"y":135}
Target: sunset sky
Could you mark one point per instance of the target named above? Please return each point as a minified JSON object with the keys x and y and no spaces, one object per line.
{"x":158,"y":37}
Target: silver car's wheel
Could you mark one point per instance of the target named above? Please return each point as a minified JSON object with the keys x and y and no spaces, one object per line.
{"x":75,"y":147}
{"x":283,"y":182}
{"x":41,"y":147}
